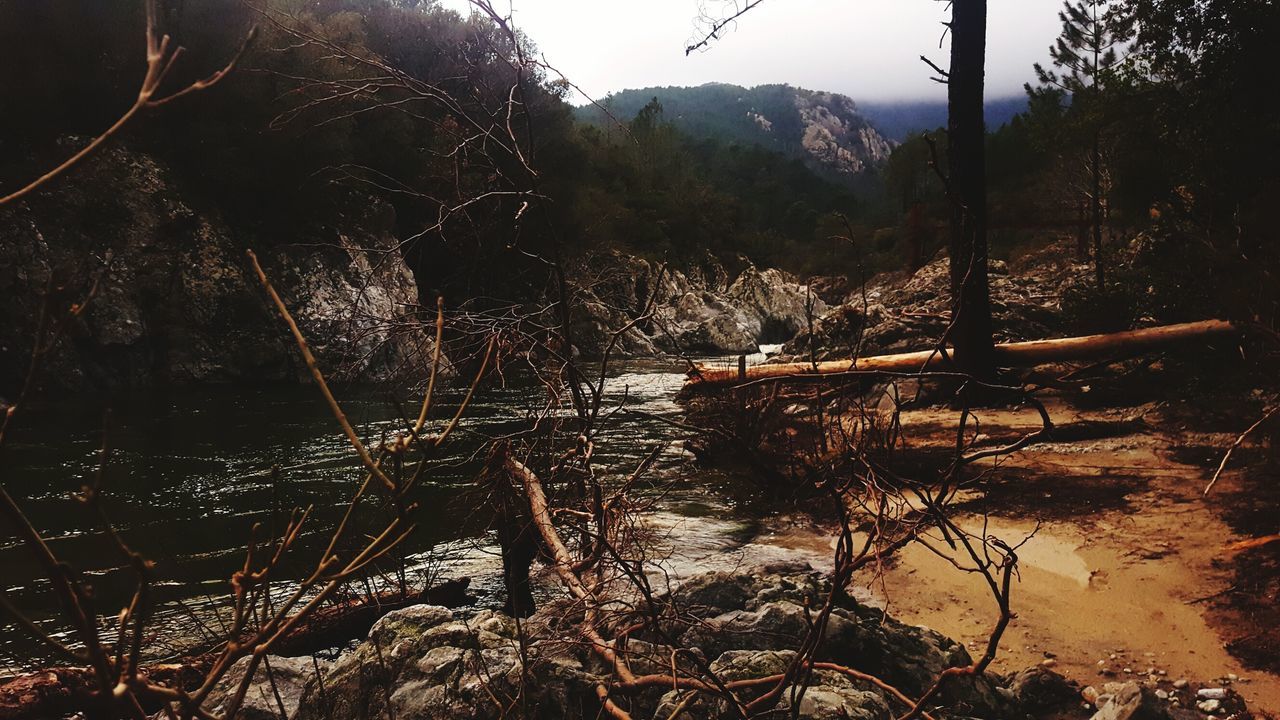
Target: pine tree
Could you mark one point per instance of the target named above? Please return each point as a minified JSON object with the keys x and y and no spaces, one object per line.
{"x":1085,"y":53}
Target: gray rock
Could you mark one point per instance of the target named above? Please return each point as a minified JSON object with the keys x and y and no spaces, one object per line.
{"x":1039,"y":688}
{"x":830,"y":696}
{"x":276,"y":689}
{"x":1132,"y":702}
{"x":423,"y":663}
{"x":898,"y":312}
{"x":764,"y":610}
{"x":177,"y":301}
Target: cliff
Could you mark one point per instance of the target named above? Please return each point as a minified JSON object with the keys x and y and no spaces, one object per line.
{"x":175,"y":300}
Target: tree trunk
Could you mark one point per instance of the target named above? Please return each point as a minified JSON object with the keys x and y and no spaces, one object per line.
{"x":1097,"y":210}
{"x":1018,"y":354}
{"x":966,"y":133}
{"x":1082,"y":233}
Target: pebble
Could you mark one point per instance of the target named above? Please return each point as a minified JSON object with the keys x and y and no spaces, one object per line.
{"x":1048,"y":662}
{"x":1209,"y":706}
{"x":1180,"y":683}
{"x":1128,"y":671}
{"x":1233,"y":677}
{"x":1102,"y":663}
{"x":1211,"y":693}
{"x":1113,"y":656}
{"x":1162,"y":694}
{"x":1090,"y":693}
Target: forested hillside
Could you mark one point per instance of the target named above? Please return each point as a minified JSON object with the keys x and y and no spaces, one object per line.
{"x":826,"y":130}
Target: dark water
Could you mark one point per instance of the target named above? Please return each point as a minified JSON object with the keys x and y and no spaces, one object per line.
{"x":188,"y":477}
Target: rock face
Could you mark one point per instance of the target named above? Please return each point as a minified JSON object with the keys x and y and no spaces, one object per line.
{"x":424,"y":662}
{"x":177,"y":301}
{"x":836,"y":135}
{"x":825,"y":130}
{"x":697,"y":313}
{"x":906,"y":313}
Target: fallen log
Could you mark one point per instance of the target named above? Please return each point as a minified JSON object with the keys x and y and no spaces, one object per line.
{"x":1016,"y":354}
{"x":64,"y":691}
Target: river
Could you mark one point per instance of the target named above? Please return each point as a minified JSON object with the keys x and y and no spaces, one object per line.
{"x":189,"y":475}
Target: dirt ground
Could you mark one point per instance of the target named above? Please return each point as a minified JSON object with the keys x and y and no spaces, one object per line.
{"x":1131,"y":572}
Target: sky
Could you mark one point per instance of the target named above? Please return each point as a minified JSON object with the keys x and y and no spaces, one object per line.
{"x":867,"y":49}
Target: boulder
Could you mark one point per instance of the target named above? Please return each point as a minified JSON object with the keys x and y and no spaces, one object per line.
{"x":422,"y":663}
{"x":830,"y":696}
{"x":766,"y":610}
{"x":1038,"y":689}
{"x":1132,"y":702}
{"x":275,"y":690}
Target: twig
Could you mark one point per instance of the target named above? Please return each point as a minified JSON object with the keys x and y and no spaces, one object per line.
{"x":1238,"y":442}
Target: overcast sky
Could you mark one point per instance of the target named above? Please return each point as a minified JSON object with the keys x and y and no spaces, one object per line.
{"x":867,"y":49}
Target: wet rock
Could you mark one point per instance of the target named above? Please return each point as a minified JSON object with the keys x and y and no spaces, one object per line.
{"x":276,"y":689}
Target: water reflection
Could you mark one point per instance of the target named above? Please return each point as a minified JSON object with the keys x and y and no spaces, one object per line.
{"x":190,"y":475}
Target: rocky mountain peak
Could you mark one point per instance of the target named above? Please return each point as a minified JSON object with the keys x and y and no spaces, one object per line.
{"x":824,"y":129}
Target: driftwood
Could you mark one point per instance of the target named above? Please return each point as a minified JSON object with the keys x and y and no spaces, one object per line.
{"x":65,"y":690}
{"x":1017,"y":354}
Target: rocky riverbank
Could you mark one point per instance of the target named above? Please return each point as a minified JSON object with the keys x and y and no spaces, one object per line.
{"x":426,"y":662}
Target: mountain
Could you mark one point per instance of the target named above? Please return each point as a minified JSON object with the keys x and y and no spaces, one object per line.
{"x":898,"y":119}
{"x":824,"y":129}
